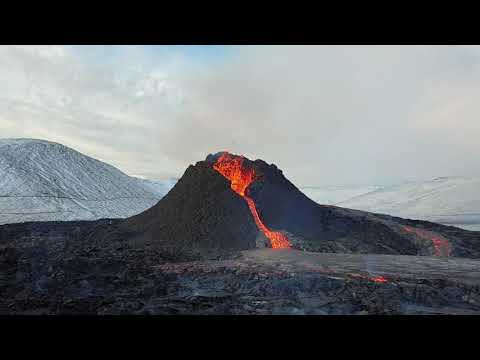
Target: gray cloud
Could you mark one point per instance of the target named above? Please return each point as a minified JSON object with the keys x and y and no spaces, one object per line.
{"x":326,"y":115}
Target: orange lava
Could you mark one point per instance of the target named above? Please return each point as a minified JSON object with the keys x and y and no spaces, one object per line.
{"x":240,"y":176}
{"x":378,"y":279}
{"x":441,"y":245}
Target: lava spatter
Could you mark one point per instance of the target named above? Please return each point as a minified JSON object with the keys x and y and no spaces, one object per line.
{"x":241,"y":176}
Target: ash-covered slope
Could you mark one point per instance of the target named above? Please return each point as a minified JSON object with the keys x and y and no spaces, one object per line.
{"x":241,"y":203}
{"x":46,"y":181}
{"x":199,"y":216}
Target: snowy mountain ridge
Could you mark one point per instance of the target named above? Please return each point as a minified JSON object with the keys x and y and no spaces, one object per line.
{"x":45,"y":181}
{"x":331,"y":195}
{"x":446,"y":200}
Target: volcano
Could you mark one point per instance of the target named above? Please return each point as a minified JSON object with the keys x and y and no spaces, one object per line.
{"x":228,"y":202}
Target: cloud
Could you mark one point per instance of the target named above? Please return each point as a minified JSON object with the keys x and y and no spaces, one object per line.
{"x":325,"y":114}
{"x":339,"y":115}
{"x":108,"y":112}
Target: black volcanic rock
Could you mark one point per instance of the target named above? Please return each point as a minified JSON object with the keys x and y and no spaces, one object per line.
{"x":200,"y":215}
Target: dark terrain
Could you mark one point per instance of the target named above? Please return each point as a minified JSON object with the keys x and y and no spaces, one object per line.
{"x":56,"y":273}
{"x":196,"y":252}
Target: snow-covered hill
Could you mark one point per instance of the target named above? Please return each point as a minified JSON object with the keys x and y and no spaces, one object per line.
{"x":44,"y":181}
{"x":330,"y":195}
{"x":160,"y":187}
{"x":449,"y":200}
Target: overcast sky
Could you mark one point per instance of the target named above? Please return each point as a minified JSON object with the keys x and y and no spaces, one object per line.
{"x":326,"y":115}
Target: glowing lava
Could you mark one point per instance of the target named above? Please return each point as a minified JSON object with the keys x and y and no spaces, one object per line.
{"x":441,"y":245}
{"x":378,"y":279}
{"x":233,"y":168}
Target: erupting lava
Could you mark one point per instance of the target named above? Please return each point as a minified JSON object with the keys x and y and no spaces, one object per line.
{"x":441,"y":245}
{"x":232,"y":167}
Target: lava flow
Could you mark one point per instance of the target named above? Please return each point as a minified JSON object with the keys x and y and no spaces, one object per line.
{"x":441,"y":245}
{"x":232,"y":167}
{"x":376,"y":279}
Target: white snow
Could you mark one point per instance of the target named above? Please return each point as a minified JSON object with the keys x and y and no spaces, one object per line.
{"x":45,"y":181}
{"x":330,"y":195}
{"x":449,"y":200}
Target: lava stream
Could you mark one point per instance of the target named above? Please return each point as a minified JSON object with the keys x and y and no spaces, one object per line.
{"x":231,"y":167}
{"x":376,"y":279}
{"x":441,"y":245}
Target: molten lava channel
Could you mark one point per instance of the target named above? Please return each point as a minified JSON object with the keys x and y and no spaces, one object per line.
{"x":233,"y":168}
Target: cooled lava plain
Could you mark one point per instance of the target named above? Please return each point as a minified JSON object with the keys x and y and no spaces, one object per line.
{"x":235,"y":237}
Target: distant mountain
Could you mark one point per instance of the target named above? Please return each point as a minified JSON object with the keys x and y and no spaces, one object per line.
{"x":448,"y":200}
{"x":331,"y":195}
{"x":160,"y":187}
{"x":46,"y":181}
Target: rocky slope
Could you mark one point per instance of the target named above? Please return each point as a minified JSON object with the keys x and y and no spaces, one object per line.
{"x":199,"y":216}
